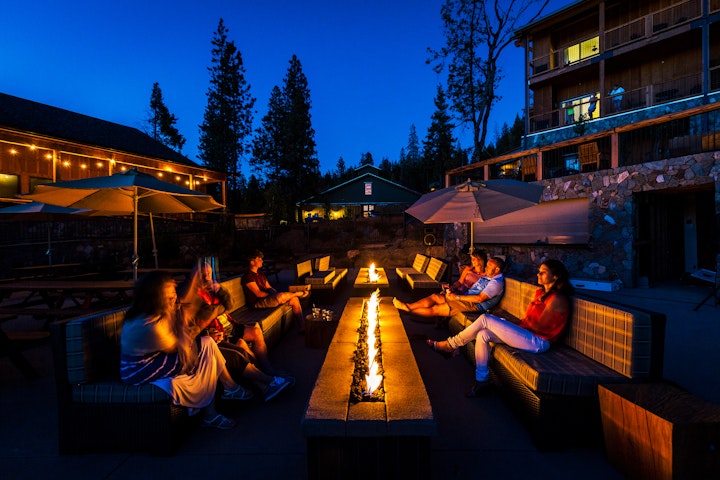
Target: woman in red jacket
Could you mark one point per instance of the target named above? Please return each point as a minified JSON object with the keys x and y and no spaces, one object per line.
{"x":543,"y":324}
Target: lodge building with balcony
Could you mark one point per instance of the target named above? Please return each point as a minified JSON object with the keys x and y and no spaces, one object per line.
{"x":647,"y":158}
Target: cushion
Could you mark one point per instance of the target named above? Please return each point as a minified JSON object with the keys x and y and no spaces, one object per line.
{"x":92,"y":344}
{"x":118,"y":392}
{"x":561,"y":370}
{"x":421,"y":262}
{"x":322,"y":263}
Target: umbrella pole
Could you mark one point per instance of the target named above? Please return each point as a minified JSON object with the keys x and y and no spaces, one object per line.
{"x":49,"y":250}
{"x":135,"y":257}
{"x":152,"y":232}
{"x":472,"y":238}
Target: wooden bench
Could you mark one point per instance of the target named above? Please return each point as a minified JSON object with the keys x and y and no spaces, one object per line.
{"x":556,"y":392}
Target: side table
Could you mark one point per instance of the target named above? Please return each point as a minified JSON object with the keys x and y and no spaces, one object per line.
{"x":659,"y":431}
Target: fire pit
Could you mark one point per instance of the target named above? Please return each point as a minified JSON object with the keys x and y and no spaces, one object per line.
{"x":377,"y":439}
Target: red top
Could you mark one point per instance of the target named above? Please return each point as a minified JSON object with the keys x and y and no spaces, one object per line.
{"x":552,"y":327}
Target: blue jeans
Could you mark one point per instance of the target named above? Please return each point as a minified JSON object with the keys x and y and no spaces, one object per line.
{"x":489,"y":328}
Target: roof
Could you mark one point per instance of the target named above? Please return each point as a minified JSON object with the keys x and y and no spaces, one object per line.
{"x":353,"y":192}
{"x":27,"y":116}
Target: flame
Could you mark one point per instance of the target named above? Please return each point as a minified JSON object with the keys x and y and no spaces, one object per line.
{"x":372,"y":379}
{"x":372,"y":275}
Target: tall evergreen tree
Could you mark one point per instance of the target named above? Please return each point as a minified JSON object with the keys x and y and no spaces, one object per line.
{"x":227,"y":122}
{"x":162,"y":123}
{"x":411,"y":174}
{"x":284,"y":147}
{"x":439,"y":153}
{"x":476,"y":33}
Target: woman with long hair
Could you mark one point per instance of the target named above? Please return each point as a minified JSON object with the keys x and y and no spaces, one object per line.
{"x":159,"y":346}
{"x":543,"y":324}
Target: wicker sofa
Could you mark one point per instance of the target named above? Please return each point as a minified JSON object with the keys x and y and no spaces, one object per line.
{"x":556,"y":392}
{"x":97,"y":412}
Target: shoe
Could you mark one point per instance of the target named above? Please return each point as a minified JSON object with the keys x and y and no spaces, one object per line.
{"x":288,"y":378}
{"x":276,"y":386}
{"x":478,"y":389}
{"x":239,"y":393}
{"x":304,"y":295}
{"x":447,"y":354}
{"x":219,"y":421}
{"x":400,"y":305}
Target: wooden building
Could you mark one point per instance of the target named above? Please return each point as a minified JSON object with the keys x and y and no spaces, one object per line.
{"x":43,"y":144}
{"x":622,"y":106}
{"x":366,"y":195}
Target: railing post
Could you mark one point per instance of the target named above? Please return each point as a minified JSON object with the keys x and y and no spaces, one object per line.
{"x":614,"y":150}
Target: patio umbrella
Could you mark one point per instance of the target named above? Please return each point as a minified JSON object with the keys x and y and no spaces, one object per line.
{"x":125,"y":193}
{"x":475,"y":201}
{"x":41,"y":212}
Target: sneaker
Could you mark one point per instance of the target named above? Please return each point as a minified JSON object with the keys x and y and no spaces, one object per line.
{"x":239,"y":393}
{"x":478,"y":389}
{"x":219,"y":421}
{"x":276,"y":386}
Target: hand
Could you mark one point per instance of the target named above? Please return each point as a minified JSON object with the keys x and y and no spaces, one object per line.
{"x":217,"y":335}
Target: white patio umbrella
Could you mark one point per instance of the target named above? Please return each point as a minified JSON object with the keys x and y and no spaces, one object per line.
{"x":475,"y":201}
{"x":125,"y":193}
{"x":41,"y":212}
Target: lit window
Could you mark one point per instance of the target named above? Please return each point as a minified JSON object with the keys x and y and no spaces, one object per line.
{"x":368,"y":188}
{"x":580,"y":51}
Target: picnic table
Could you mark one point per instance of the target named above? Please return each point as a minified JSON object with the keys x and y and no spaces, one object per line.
{"x":42,"y":271}
{"x":57,"y":296}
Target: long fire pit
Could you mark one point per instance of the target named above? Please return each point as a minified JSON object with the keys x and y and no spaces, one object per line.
{"x":388,"y":439}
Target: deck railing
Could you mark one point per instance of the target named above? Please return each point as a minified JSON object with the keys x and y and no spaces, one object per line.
{"x":645,"y":141}
{"x":639,"y":29}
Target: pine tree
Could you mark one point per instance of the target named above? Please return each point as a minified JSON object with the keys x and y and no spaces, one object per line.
{"x":162,"y":122}
{"x":227,"y":122}
{"x":284,"y":147}
{"x":439,"y":153}
{"x":411,"y":174}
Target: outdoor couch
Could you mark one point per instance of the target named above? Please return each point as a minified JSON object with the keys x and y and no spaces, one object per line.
{"x":322,"y":279}
{"x":97,"y":412}
{"x":556,"y":392}
{"x":422,"y":284}
{"x":419,"y":266}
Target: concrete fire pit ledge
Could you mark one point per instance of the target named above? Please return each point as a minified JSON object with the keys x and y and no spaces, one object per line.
{"x":394,"y":435}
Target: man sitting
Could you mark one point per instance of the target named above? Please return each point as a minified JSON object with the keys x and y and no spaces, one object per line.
{"x":480,"y":298}
{"x":260,"y":294}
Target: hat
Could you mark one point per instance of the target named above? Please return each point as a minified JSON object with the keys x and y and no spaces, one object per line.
{"x":255,"y":254}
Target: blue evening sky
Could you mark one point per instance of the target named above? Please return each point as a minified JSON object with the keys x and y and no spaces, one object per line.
{"x":364,"y":60}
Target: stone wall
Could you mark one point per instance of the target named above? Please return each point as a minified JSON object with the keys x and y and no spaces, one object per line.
{"x":610,"y":254}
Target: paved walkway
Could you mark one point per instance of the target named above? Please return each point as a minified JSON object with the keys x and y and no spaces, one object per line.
{"x":477,"y":438}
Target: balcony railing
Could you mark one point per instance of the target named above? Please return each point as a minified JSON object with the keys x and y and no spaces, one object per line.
{"x":646,"y":141}
{"x":643,"y":97}
{"x":644,"y":27}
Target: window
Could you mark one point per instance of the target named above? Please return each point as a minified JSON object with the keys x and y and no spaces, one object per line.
{"x":580,"y":51}
{"x":368,"y":188}
{"x":9,"y":185}
{"x":368,"y":210}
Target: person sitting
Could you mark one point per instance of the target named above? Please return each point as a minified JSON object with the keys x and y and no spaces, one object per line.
{"x":481,"y":297}
{"x":472,"y":273}
{"x":158,"y":345}
{"x":543,"y":324}
{"x":260,"y":294}
{"x":208,"y":303}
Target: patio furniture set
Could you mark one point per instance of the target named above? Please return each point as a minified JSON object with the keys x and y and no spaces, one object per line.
{"x":97,"y":412}
{"x":556,"y":393}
